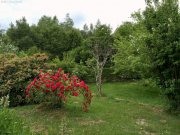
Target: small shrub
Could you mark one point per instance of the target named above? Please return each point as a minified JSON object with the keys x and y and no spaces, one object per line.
{"x":7,"y":48}
{"x":66,"y":64}
{"x":84,"y":72}
{"x":56,"y":87}
{"x":4,"y":101}
{"x":148,"y":82}
{"x":78,"y":69}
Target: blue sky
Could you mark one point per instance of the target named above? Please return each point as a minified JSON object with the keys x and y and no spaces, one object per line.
{"x":112,"y":12}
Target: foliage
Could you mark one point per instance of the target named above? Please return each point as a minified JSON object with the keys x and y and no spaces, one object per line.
{"x":131,"y":58}
{"x":83,"y":72}
{"x":48,"y":35}
{"x":56,"y":87}
{"x":15,"y":72}
{"x":33,"y":50}
{"x":69,"y":65}
{"x":11,"y":124}
{"x":56,"y":38}
{"x":150,"y":82}
{"x":82,"y":53}
{"x":68,"y":23}
{"x":21,"y":34}
{"x":164,"y":45}
{"x":7,"y":48}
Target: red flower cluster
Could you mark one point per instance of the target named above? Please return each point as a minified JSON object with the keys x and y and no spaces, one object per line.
{"x":60,"y":85}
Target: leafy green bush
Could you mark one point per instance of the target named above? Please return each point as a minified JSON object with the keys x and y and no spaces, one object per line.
{"x":33,"y":50}
{"x":150,"y":82}
{"x":78,"y":69}
{"x":66,"y":64}
{"x":11,"y":124}
{"x":7,"y":48}
{"x":84,"y":72}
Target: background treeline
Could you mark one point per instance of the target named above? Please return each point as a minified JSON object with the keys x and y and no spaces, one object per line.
{"x":148,"y":47}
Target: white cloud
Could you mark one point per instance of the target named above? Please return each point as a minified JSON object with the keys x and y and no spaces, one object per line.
{"x":112,"y":12}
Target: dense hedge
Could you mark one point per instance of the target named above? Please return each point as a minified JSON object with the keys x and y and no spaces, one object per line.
{"x":15,"y":72}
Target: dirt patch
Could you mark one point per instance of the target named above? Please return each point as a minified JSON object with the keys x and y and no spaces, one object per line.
{"x":38,"y":129}
{"x":141,"y":122}
{"x":119,"y":99}
{"x":157,"y":109}
{"x":91,"y":122}
{"x":163,"y":121}
{"x":147,"y":133}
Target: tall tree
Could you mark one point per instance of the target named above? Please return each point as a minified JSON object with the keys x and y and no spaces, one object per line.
{"x":50,"y":36}
{"x":162,"y":20}
{"x":20,"y":34}
{"x":100,"y":44}
{"x":131,"y":60}
{"x":1,"y":32}
{"x":68,"y":21}
{"x":54,"y":37}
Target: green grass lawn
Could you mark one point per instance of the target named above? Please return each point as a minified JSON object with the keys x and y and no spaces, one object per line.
{"x":127,"y":109}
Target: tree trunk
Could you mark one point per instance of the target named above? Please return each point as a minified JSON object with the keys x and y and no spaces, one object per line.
{"x":99,"y":79}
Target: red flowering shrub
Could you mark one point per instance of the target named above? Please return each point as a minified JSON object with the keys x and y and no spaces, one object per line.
{"x":56,"y":87}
